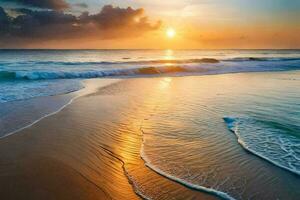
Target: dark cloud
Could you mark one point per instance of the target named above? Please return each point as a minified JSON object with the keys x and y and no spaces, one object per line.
{"x":4,"y":22}
{"x":3,"y":16}
{"x":47,"y":4}
{"x":111,"y":22}
{"x":114,"y":17}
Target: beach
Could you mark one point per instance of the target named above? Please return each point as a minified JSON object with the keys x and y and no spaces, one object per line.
{"x":56,"y":159}
{"x":149,"y":100}
{"x":147,"y":138}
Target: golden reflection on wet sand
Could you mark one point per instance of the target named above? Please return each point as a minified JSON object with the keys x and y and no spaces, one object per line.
{"x":99,"y":137}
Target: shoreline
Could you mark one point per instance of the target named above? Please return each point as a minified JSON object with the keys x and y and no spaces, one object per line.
{"x":49,"y":139}
{"x":99,"y":137}
{"x":60,"y":165}
{"x":90,"y":86}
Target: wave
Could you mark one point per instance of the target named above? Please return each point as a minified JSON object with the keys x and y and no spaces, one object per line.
{"x":44,"y":75}
{"x":181,"y":181}
{"x":267,"y":142}
{"x":241,"y":59}
{"x":6,"y":75}
{"x":157,"y":61}
{"x":218,"y":68}
{"x":136,"y":62}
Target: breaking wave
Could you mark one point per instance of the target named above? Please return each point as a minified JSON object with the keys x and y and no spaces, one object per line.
{"x":136,"y":62}
{"x":175,"y":67}
{"x":261,"y":59}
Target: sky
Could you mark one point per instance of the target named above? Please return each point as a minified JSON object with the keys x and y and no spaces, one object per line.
{"x":147,"y":24}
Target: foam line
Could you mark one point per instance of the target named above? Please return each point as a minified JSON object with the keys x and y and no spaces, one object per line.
{"x":47,"y":115}
{"x":36,"y":121}
{"x":212,"y":191}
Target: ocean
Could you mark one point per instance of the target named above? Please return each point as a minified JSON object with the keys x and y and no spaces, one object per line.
{"x":258,"y":109}
{"x":26,"y":74}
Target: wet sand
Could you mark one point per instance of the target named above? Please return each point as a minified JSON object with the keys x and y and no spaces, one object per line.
{"x":92,"y":148}
{"x":89,"y":150}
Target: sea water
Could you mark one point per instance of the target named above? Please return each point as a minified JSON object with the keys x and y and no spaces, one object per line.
{"x":27,"y":74}
{"x":193,"y":124}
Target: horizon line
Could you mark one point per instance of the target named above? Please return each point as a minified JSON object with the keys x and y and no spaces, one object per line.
{"x":91,"y":49}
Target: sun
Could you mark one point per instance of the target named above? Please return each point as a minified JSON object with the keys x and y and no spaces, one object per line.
{"x":170,"y":33}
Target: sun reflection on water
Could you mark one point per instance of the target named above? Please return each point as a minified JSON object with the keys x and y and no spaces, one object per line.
{"x":169,"y":54}
{"x":165,"y":83}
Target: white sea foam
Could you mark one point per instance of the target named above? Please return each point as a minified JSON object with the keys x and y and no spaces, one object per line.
{"x":267,"y":142}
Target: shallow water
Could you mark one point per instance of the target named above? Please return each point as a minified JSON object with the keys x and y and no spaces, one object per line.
{"x":187,"y":140}
{"x":171,"y":134}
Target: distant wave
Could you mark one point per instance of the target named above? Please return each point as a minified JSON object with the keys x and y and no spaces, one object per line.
{"x":240,"y":59}
{"x":175,"y":61}
{"x":157,"y":61}
{"x":136,"y":62}
{"x":267,"y":142}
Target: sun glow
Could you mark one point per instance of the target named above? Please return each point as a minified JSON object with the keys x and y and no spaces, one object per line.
{"x":171,"y":33}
